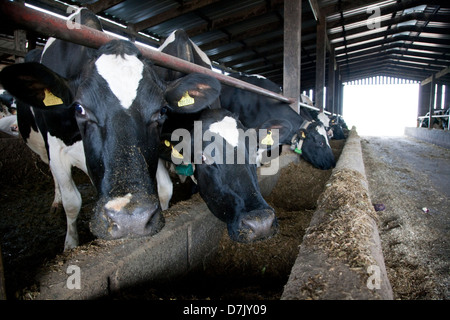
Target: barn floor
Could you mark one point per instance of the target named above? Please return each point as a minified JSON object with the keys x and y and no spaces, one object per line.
{"x":407,"y":175}
{"x":31,"y":237}
{"x":404,"y":174}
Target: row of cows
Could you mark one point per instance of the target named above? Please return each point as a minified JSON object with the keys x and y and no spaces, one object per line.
{"x":8,"y":118}
{"x":112,"y":113}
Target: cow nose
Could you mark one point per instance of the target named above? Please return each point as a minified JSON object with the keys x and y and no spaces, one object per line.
{"x":141,"y":221}
{"x":254,"y":226}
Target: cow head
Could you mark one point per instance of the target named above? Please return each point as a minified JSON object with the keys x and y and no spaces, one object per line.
{"x":230,"y":190}
{"x":312,"y":144}
{"x":118,"y":108}
{"x":224,"y":156}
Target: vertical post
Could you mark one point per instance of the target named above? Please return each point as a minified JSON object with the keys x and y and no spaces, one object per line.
{"x":292,"y":50}
{"x":424,"y":99}
{"x":331,"y":82}
{"x":447,"y":96}
{"x":431,"y":102}
{"x":337,"y":92}
{"x":320,"y":61}
{"x":438,"y":96}
{"x":20,"y":44}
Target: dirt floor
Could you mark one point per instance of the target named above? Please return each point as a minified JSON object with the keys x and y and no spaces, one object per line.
{"x":412,"y":180}
{"x":31,"y":236}
{"x":404,"y":175}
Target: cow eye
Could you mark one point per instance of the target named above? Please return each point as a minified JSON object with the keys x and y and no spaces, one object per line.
{"x":80,"y":109}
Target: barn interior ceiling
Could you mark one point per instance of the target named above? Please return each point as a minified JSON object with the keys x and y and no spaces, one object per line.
{"x":408,"y":39}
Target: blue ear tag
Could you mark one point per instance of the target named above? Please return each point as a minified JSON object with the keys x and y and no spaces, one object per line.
{"x":185,"y":170}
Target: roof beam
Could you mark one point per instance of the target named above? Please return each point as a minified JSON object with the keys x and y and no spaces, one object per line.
{"x":399,"y":54}
{"x":411,"y":16}
{"x":183,"y":8}
{"x":396,"y":39}
{"x":436,"y":76}
{"x":102,"y":5}
{"x":390,"y":46}
{"x":389,"y":32}
{"x":386,"y":10}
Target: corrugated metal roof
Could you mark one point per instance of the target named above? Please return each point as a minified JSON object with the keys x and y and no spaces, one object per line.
{"x":408,"y":38}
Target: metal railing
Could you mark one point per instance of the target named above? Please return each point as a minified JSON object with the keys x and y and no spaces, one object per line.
{"x":52,"y":26}
{"x":421,"y":119}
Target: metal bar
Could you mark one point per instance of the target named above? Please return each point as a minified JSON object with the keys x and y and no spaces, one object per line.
{"x":55,"y":27}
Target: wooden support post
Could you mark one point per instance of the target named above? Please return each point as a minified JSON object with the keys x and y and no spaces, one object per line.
{"x":292,"y":50}
{"x":337,"y":92}
{"x":20,"y":44}
{"x":447,"y":96}
{"x":320,"y":61}
{"x":438,"y":96}
{"x":331,"y":82}
{"x":431,"y":103}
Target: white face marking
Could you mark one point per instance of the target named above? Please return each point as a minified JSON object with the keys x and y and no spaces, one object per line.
{"x":118,"y":203}
{"x":168,"y":41}
{"x":47,"y":45}
{"x":122,"y":75}
{"x":324,"y":119}
{"x":227,"y":128}
{"x":202,"y":55}
{"x":323,"y":132}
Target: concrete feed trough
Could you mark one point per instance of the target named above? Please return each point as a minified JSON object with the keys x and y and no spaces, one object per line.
{"x":194,"y":243}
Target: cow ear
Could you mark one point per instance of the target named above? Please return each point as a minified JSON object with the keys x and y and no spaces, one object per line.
{"x":192,"y":93}
{"x":36,"y":85}
{"x":301,"y":134}
{"x":276,"y":127}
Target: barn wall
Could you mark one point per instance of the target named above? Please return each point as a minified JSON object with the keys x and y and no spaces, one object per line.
{"x":435,"y":136}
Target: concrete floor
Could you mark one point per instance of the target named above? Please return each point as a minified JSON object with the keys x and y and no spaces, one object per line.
{"x":408,"y":175}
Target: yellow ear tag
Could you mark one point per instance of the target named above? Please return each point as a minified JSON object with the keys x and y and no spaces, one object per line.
{"x":51,"y":100}
{"x":167,"y":143}
{"x":268,"y":139}
{"x":186,"y":100}
{"x":303,"y":135}
{"x":176,"y":154}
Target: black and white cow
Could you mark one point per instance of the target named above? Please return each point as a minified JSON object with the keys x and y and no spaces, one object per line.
{"x":101,"y":111}
{"x":230,"y":190}
{"x":307,"y":137}
{"x":8,"y":104}
{"x":9,"y":125}
{"x":338,"y":127}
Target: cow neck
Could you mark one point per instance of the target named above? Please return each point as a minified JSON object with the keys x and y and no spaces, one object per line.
{"x":305,"y":124}
{"x":296,"y":142}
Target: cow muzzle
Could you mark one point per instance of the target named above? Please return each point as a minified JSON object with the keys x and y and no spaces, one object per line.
{"x":254,"y":226}
{"x":121,"y":218}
